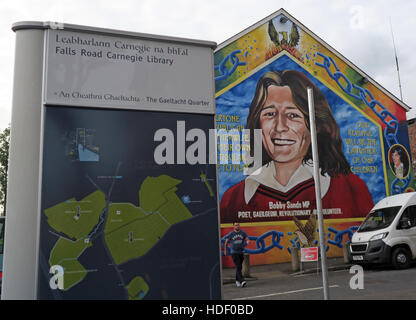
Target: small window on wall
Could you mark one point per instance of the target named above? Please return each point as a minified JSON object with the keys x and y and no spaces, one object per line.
{"x":408,"y":214}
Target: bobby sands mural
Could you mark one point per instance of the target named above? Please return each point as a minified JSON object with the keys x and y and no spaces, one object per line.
{"x":262,"y":76}
{"x":285,"y":181}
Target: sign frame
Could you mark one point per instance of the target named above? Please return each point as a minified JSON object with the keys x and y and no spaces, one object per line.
{"x":21,"y":259}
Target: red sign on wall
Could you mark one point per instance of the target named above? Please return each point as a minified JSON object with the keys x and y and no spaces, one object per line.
{"x":309,"y":254}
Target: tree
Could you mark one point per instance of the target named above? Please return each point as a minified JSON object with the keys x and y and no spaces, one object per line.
{"x":4,"y":165}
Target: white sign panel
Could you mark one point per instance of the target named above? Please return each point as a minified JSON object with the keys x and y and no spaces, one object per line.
{"x":93,"y":70}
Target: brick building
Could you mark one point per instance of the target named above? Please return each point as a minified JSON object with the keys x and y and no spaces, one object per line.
{"x":412,"y":140}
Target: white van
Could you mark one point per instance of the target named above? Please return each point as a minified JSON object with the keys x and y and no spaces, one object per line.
{"x":388,"y":233}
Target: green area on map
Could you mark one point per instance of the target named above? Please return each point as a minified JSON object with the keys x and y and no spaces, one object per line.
{"x":152,"y":190}
{"x":204,"y":179}
{"x":66,"y":253}
{"x":130,"y":231}
{"x":76,"y":219}
{"x":137,"y":289}
{"x":74,"y":273}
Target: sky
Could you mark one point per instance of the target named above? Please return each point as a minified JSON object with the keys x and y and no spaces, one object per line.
{"x":359,"y":30}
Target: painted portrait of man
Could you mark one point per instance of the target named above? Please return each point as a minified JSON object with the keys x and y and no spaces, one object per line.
{"x":280,"y":109}
{"x":399,"y":161}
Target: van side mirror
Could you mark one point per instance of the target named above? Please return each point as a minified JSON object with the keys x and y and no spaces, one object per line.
{"x":405,"y":223}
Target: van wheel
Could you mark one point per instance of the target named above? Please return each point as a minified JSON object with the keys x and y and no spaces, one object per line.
{"x":401,"y":258}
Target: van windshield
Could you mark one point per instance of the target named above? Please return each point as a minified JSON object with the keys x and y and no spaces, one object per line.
{"x":379,"y":219}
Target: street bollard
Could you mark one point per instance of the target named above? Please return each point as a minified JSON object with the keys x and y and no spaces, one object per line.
{"x":246,"y":265}
{"x":295,"y":259}
{"x":345,"y":251}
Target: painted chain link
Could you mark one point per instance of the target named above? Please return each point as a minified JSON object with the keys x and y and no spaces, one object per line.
{"x":340,"y":234}
{"x":364,"y":95}
{"x":223,"y":70}
{"x":276,"y":237}
{"x":260,"y":242}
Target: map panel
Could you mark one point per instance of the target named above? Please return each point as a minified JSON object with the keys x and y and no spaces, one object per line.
{"x":117,"y":225}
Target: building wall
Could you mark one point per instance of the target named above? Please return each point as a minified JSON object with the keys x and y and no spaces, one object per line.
{"x":412,"y":141}
{"x":369,"y":124}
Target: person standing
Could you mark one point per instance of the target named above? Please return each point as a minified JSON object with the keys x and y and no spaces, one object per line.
{"x":238,"y":239}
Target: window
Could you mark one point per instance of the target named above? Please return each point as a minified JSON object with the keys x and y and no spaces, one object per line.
{"x":408,"y":214}
{"x":379,"y":219}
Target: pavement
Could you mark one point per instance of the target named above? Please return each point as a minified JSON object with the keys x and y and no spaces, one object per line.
{"x":278,"y":270}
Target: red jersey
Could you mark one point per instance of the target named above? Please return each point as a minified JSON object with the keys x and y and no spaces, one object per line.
{"x":346,"y":197}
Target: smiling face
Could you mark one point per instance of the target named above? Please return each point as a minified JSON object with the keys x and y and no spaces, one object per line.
{"x":396,"y":158}
{"x":286,"y":137}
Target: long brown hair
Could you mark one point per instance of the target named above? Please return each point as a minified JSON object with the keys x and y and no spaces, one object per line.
{"x":332,"y":160}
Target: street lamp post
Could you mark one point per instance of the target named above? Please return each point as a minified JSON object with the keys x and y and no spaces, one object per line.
{"x":315,"y":159}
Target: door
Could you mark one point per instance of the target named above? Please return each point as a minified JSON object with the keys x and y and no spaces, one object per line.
{"x":406,"y":227}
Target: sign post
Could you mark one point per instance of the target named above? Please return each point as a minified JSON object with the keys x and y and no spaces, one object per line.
{"x":315,"y":158}
{"x":99,"y":194}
